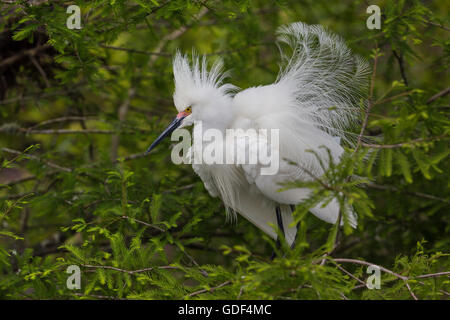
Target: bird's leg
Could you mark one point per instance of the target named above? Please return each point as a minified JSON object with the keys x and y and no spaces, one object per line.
{"x":298,"y":224}
{"x":280,"y":226}
{"x":279,"y":220}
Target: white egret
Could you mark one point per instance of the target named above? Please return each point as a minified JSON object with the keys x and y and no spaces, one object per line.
{"x":319,"y":92}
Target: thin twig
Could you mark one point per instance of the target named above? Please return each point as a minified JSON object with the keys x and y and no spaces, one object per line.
{"x":393,"y":97}
{"x":25,"y":179}
{"x":438,"y":25}
{"x":211,"y":289}
{"x":90,"y":165}
{"x":99,"y":296}
{"x":439,"y":95}
{"x":75,"y":131}
{"x":160,"y":54}
{"x":169,"y":55}
{"x":29,"y":52}
{"x":404,"y":278}
{"x":202,"y":271}
{"x":48,"y":163}
{"x":401,"y":65}
{"x":41,"y":71}
{"x":417,"y":194}
{"x":144,"y":223}
{"x":130,"y":157}
{"x":402,"y":144}
{"x":173,"y":35}
{"x":63,"y":119}
{"x":127,"y":271}
{"x":432,"y":275}
{"x":38,"y":95}
{"x":121,"y":113}
{"x":350,"y":275}
{"x":370,"y":103}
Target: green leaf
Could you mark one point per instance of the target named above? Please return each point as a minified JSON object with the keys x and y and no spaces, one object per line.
{"x":155,"y":207}
{"x":404,"y":166}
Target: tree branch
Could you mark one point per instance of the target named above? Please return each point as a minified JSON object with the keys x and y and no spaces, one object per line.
{"x":417,"y":194}
{"x":144,"y":223}
{"x":173,"y":35}
{"x":48,"y":163}
{"x":371,"y":104}
{"x":402,"y":144}
{"x":127,"y":271}
{"x":211,"y":289}
{"x":401,"y":65}
{"x":439,"y":95}
{"x":399,"y":276}
{"x":29,"y":52}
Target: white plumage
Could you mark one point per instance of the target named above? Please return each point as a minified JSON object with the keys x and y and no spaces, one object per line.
{"x":319,"y":93}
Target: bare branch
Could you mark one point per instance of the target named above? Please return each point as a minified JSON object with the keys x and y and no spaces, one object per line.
{"x":432,"y":275}
{"x":144,"y":223}
{"x":48,"y":163}
{"x":438,"y":25}
{"x":41,"y":71}
{"x":393,"y":97}
{"x":160,"y":54}
{"x":127,"y":271}
{"x":402,"y":144}
{"x":439,"y":95}
{"x":99,"y":296}
{"x":173,"y":35}
{"x":399,"y":276}
{"x":29,"y":52}
{"x":371,"y":104}
{"x":417,"y":194}
{"x":75,"y":131}
{"x":122,"y":113}
{"x":211,"y":289}
{"x":63,"y":119}
{"x":401,"y":65}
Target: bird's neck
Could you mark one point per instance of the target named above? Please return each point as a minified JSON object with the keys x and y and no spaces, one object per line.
{"x":219,"y":120}
{"x":209,"y":130}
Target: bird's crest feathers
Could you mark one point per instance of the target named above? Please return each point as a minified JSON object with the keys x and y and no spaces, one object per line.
{"x":194,"y":82}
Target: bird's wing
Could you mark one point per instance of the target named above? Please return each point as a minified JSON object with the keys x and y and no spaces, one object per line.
{"x":263,"y":185}
{"x":207,"y":179}
{"x":234,"y":185}
{"x":243,"y":188}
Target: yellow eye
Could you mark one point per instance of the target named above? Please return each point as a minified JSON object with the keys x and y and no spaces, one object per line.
{"x":188,"y":110}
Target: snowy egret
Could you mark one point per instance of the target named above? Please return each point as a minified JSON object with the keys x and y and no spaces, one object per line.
{"x":319,"y":92}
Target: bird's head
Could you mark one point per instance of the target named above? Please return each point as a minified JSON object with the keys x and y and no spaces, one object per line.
{"x":200,"y":95}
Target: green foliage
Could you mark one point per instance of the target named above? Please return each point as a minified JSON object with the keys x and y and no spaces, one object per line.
{"x":79,"y":109}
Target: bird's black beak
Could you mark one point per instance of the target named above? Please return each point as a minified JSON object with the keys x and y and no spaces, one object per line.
{"x":175,"y":124}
